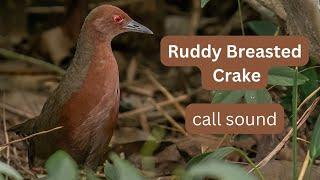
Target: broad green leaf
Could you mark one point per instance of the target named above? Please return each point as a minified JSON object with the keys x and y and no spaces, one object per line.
{"x":218,"y":170}
{"x":262,"y":27}
{"x":311,"y":85}
{"x":9,"y":171}
{"x":228,"y":96}
{"x":203,"y":3}
{"x":258,"y":96}
{"x":125,"y":169}
{"x":61,"y":166}
{"x":220,"y":154}
{"x":284,"y":76}
{"x":315,"y":141}
{"x":110,"y":171}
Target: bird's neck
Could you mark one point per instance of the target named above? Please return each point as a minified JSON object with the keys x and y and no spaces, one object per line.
{"x":93,"y":55}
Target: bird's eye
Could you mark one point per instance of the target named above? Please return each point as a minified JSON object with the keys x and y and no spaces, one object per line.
{"x":117,"y":19}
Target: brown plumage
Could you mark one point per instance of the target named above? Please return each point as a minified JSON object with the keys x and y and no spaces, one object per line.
{"x":86,"y":101}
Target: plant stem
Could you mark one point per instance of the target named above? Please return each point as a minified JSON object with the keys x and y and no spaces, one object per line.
{"x":309,"y":170}
{"x":256,"y":169}
{"x":241,"y":19}
{"x":16,"y":56}
{"x":294,"y":124}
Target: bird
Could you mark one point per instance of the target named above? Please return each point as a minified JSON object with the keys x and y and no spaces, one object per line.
{"x":86,"y":101}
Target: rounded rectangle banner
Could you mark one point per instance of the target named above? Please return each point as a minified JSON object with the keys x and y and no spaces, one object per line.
{"x":234,"y":118}
{"x":234,"y":62}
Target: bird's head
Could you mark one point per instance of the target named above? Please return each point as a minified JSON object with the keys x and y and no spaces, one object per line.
{"x":110,"y":21}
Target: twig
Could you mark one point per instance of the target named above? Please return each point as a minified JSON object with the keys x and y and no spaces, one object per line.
{"x":303,"y":140}
{"x":240,"y":16}
{"x":30,"y":136}
{"x":262,"y":10}
{"x":168,"y":128}
{"x":165,"y":91}
{"x":15,"y":110}
{"x":139,"y":90}
{"x":301,"y":121}
{"x":231,"y":23}
{"x":62,"y":9}
{"x":16,"y":56}
{"x":309,"y":68}
{"x":222,"y":140}
{"x":143,"y":119}
{"x":304,"y":166}
{"x":132,"y":70}
{"x":150,"y":108}
{"x":21,"y":166}
{"x":144,"y":123}
{"x":169,"y":118}
{"x":5,"y":129}
{"x":195,"y":17}
{"x":308,"y":98}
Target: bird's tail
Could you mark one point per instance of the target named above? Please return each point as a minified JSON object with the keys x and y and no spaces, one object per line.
{"x":23,"y":129}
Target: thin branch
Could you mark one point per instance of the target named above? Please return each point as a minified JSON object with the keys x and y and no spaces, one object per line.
{"x":195,"y":17}
{"x":16,"y":111}
{"x":240,"y":16}
{"x":30,"y":136}
{"x":301,"y":121}
{"x":308,"y":98}
{"x":169,"y":118}
{"x":165,"y":92}
{"x":304,"y":166}
{"x":5,"y":128}
{"x":150,"y":108}
{"x":16,"y":56}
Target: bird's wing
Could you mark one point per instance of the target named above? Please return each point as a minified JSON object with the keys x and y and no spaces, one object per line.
{"x":70,"y":83}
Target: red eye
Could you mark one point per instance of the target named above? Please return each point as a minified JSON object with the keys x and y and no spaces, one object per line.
{"x":117,"y":19}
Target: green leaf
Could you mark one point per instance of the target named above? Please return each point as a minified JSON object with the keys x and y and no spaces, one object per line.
{"x":262,"y":27}
{"x":197,"y":159}
{"x":203,"y":3}
{"x":315,"y":141}
{"x":284,"y":76}
{"x":311,"y":85}
{"x":218,"y":170}
{"x":9,"y":171}
{"x":125,"y":169}
{"x":220,"y":154}
{"x":228,"y":96}
{"x":61,"y":166}
{"x":258,"y":96}
{"x":110,"y":171}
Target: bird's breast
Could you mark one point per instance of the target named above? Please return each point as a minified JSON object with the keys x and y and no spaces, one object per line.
{"x":93,"y":109}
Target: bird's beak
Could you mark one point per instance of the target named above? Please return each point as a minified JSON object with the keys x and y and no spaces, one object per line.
{"x":137,"y":27}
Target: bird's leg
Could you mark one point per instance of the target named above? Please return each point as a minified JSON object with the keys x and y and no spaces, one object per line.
{"x":97,"y":153}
